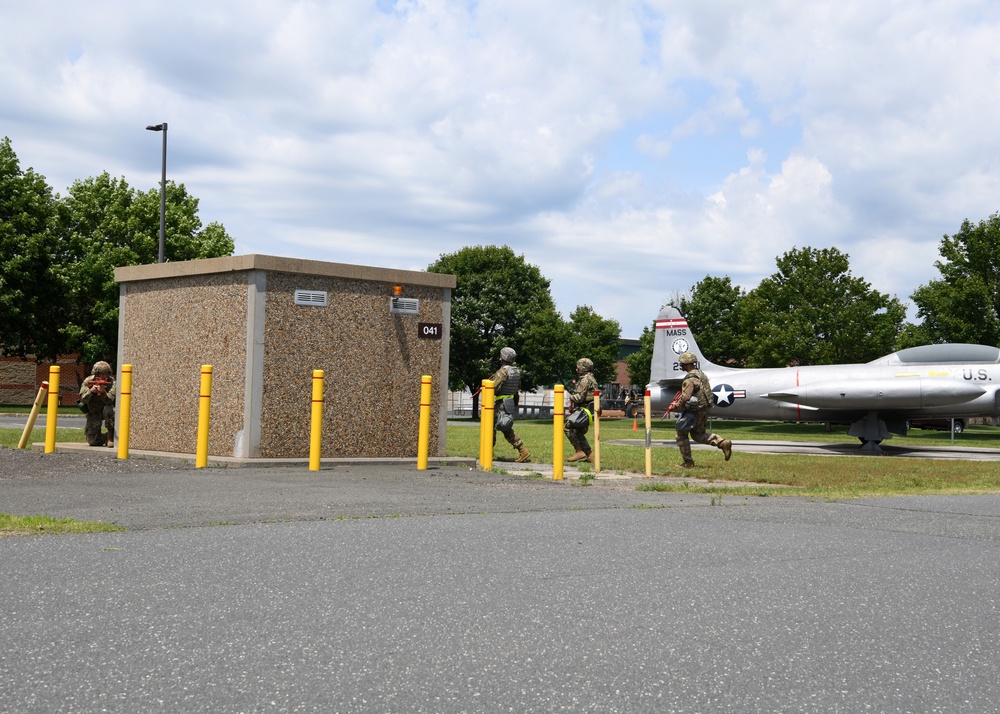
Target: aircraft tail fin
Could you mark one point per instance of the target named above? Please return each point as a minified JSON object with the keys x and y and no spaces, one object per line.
{"x":672,"y":338}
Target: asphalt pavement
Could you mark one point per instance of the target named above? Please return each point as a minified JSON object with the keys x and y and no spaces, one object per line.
{"x":381,"y":588}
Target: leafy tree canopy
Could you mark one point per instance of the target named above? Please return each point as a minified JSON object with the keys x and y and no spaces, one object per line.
{"x":597,"y":338}
{"x":32,"y":289}
{"x":813,"y":311}
{"x":108,"y":224}
{"x":713,"y":314}
{"x":638,"y":363}
{"x":964,"y":305}
{"x":57,"y":288}
{"x":496,"y":297}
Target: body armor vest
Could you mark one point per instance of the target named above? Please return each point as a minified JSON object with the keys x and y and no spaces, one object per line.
{"x":511,"y":383}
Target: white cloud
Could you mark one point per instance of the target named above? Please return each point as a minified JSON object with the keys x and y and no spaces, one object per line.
{"x":625,"y":147}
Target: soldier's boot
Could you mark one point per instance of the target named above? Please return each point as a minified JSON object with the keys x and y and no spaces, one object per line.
{"x":522,"y":455}
{"x":590,"y":457}
{"x":578,"y":456}
{"x":685,"y":450}
{"x":727,"y":449}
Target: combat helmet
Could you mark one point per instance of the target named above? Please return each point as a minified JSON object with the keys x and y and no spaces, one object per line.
{"x":687,"y":358}
{"x":585,"y":364}
{"x":101,"y":367}
{"x":508,"y":355}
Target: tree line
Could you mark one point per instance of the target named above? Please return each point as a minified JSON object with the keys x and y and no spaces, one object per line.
{"x":814,"y":311}
{"x":58,"y":294}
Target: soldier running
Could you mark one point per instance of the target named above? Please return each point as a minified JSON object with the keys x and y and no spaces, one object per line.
{"x":694,"y":400}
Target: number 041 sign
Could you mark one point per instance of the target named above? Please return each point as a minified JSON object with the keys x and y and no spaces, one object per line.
{"x":429,"y":330}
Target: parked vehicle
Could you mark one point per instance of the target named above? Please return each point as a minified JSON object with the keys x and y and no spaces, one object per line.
{"x":937,"y":424}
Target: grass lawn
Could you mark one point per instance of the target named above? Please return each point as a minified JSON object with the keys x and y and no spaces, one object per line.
{"x":770,"y":475}
{"x":816,"y":476}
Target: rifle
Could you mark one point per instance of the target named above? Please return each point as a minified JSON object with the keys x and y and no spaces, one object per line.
{"x":101,"y":382}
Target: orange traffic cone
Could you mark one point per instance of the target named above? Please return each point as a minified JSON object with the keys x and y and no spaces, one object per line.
{"x":635,"y":426}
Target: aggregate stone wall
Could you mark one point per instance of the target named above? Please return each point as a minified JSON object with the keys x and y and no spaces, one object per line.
{"x":239,"y":315}
{"x":172,"y":327}
{"x":372,"y":362}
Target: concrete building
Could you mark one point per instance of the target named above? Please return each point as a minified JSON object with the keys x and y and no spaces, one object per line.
{"x":265,"y":323}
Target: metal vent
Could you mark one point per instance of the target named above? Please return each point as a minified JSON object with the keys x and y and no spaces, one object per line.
{"x":404,"y":306}
{"x":311,"y":297}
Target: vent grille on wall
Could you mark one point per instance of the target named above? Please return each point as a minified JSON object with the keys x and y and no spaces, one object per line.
{"x":404,"y":306}
{"x":311,"y":297}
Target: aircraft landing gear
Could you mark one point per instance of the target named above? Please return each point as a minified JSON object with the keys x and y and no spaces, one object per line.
{"x":871,"y":431}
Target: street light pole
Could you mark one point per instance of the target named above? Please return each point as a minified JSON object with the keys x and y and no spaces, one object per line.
{"x":163,"y":187}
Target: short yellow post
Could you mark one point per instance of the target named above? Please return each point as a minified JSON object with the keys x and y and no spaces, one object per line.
{"x":424,"y":436}
{"x":204,"y":410}
{"x":558,"y":415}
{"x":649,"y":437}
{"x":124,"y":420}
{"x":43,"y":392}
{"x":597,"y":431}
{"x":53,"y":412}
{"x":316,"y":424}
{"x":487,"y":414}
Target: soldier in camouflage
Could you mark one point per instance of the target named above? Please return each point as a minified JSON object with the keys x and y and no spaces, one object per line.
{"x":582,"y":410}
{"x":97,"y":399}
{"x":695,"y":396}
{"x":506,"y":382}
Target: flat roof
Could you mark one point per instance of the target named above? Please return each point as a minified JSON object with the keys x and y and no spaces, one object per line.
{"x":275,"y":264}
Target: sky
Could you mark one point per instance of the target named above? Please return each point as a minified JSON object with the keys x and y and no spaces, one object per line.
{"x":628,"y":149}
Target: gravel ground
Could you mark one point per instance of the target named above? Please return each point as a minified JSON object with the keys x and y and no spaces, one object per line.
{"x":28,"y":464}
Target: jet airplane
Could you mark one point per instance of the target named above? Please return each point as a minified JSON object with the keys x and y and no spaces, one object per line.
{"x":876,"y":399}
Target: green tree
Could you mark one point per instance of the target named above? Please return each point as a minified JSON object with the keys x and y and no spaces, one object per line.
{"x":496,"y":297}
{"x":813,"y":311}
{"x":713,"y":315}
{"x":32,"y":288}
{"x":107,"y":225}
{"x":964,"y":305}
{"x":638,"y":363}
{"x":597,"y":338}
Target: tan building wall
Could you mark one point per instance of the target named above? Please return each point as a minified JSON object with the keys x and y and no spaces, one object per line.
{"x":239,"y":315}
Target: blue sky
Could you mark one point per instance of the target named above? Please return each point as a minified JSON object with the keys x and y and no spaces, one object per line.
{"x":628,"y":149}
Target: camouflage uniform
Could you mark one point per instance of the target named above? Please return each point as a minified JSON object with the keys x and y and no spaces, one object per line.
{"x":506,"y":383}
{"x":696,"y":395}
{"x":100,"y":407}
{"x":582,"y":400}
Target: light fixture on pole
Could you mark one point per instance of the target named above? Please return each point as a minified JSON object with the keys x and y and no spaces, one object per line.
{"x":163,"y":188}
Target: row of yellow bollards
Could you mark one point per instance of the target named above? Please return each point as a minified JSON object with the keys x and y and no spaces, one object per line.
{"x":486,"y":425}
{"x":486,"y":422}
{"x":50,"y":389}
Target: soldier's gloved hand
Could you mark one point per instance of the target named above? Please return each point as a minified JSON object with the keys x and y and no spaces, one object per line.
{"x":96,"y":389}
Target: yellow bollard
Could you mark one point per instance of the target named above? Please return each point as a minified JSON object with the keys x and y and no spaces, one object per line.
{"x":649,"y":437}
{"x":43,"y":392}
{"x":316,"y":429}
{"x":487,"y":415}
{"x":424,"y":436}
{"x":204,"y":410}
{"x":597,"y":431}
{"x":484,"y":426}
{"x":53,"y":413}
{"x":558,"y":414}
{"x":124,"y":421}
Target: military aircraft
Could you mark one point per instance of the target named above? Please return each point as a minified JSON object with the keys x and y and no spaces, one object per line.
{"x":877,"y":399}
